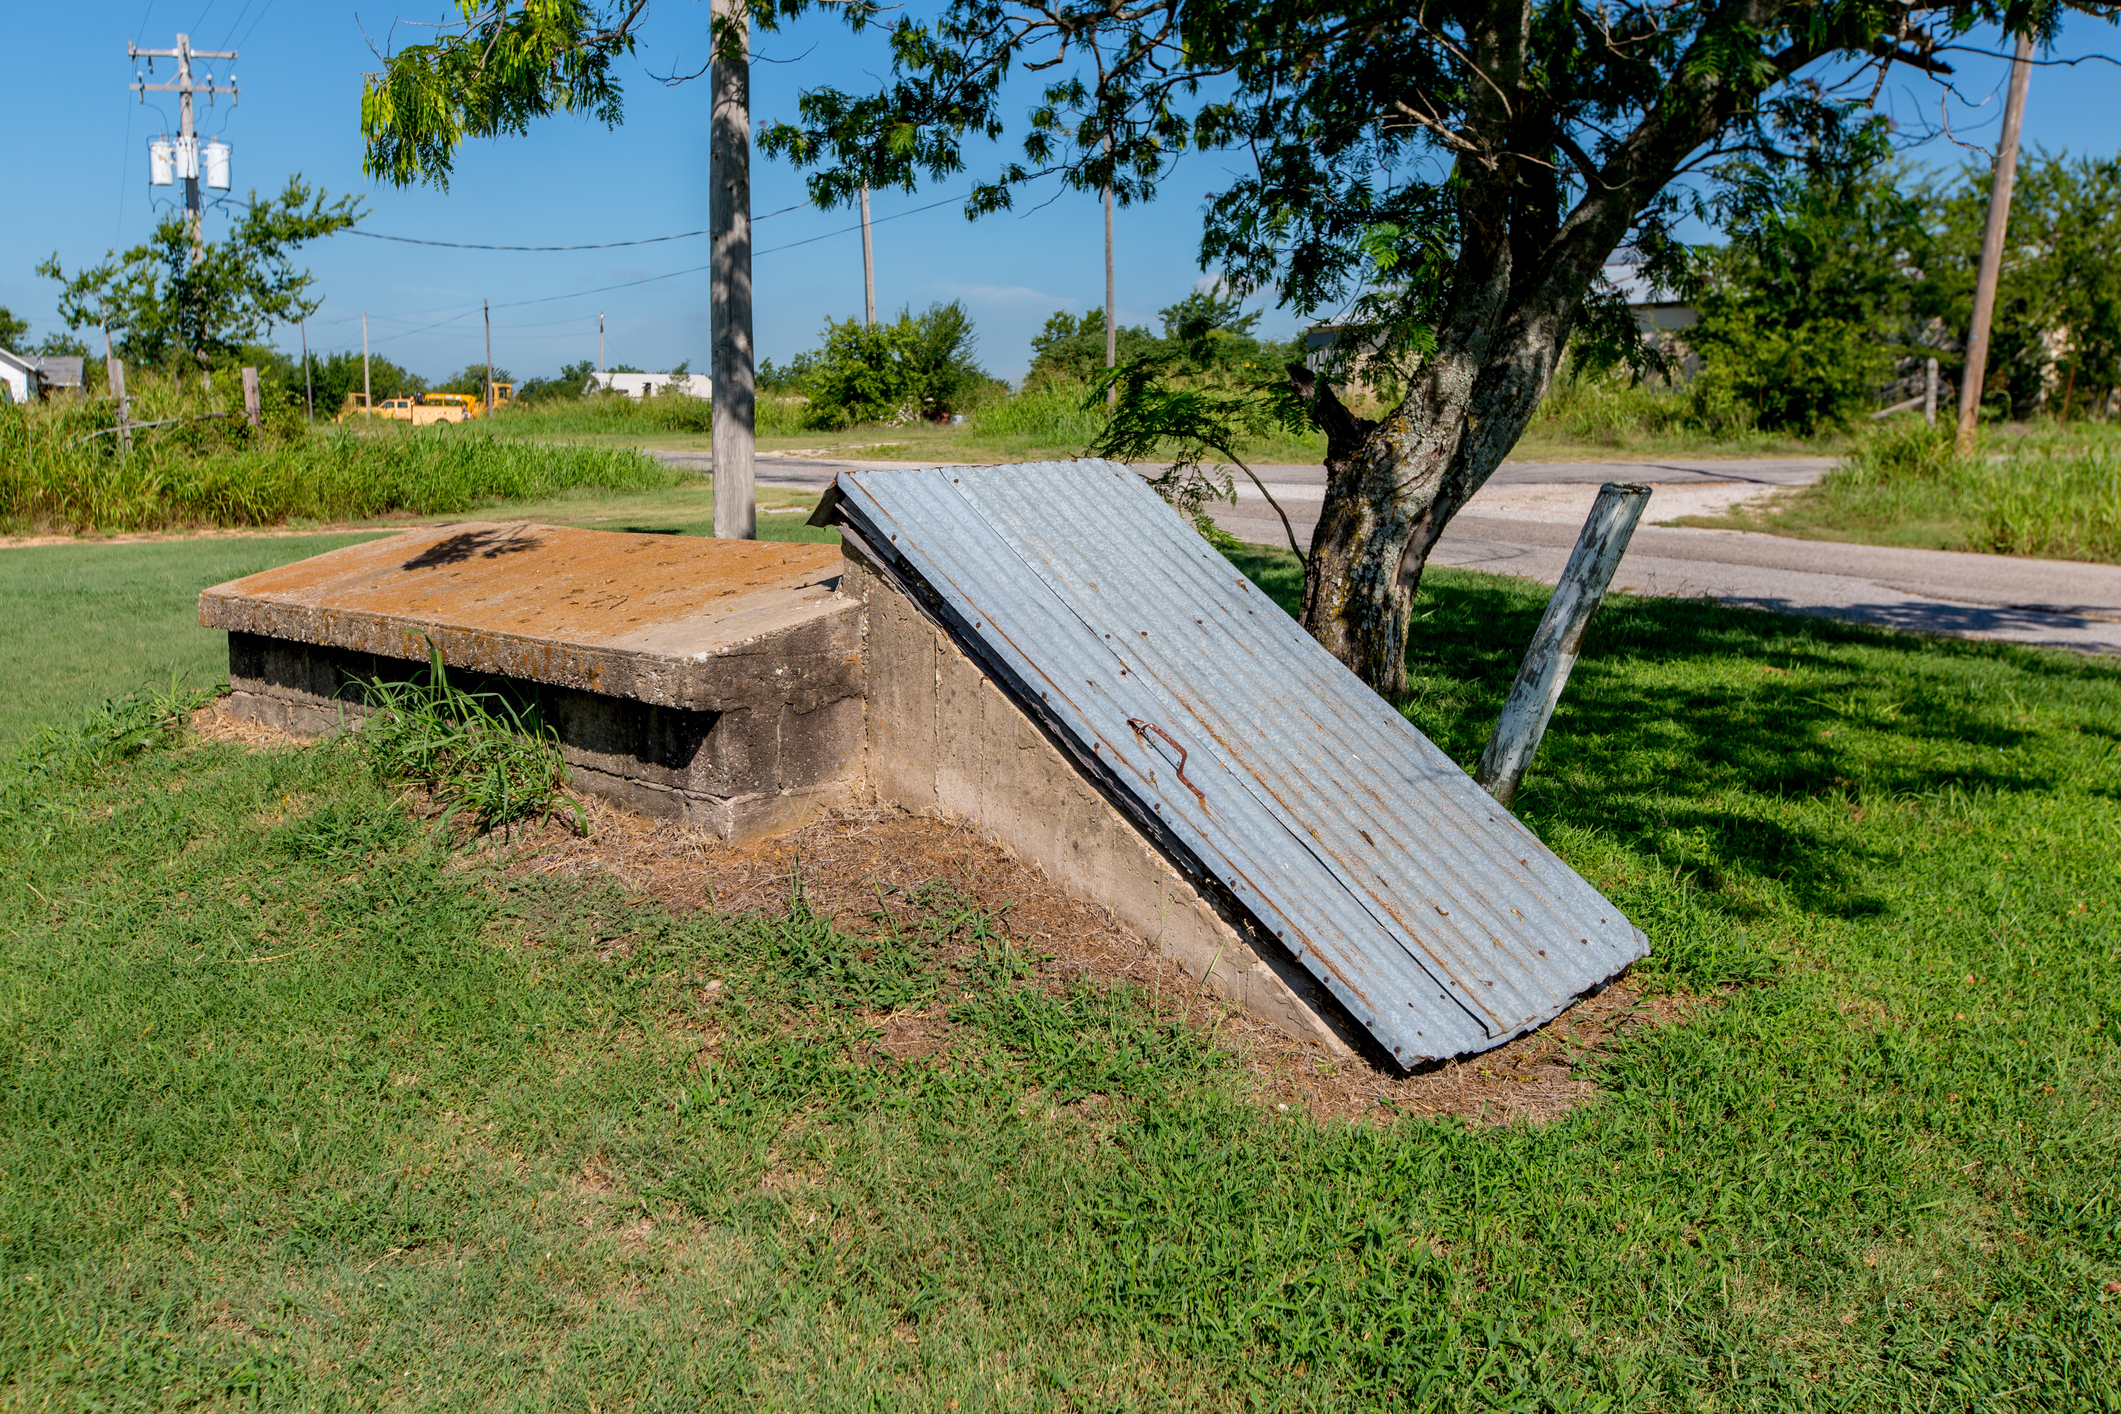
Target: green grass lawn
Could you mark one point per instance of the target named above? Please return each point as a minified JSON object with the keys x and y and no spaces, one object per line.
{"x":92,"y":621}
{"x":302,"y":1110}
{"x":96,"y":620}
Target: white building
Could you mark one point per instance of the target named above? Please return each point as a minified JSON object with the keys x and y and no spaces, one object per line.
{"x":18,"y":376}
{"x":647,"y":385}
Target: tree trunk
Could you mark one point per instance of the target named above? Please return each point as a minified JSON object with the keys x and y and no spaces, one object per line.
{"x":1393,"y":485}
{"x":1527,"y":256}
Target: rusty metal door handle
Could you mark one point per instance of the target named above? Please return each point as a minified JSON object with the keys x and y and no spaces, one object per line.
{"x":1142,"y":729}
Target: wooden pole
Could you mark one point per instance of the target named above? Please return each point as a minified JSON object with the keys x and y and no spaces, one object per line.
{"x":1929,"y":391}
{"x":368,"y":392}
{"x":309,"y":381}
{"x":868,"y":266}
{"x":1999,"y":218}
{"x":487,"y":310}
{"x":1545,"y":671}
{"x":114,"y":369}
{"x":252,"y":413}
{"x":1111,"y":300}
{"x":729,"y":220}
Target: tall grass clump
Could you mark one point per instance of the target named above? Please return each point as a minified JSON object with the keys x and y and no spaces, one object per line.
{"x":664,"y":414}
{"x":2054,"y":502}
{"x":476,"y":753}
{"x":1051,"y":412}
{"x":2052,"y":495}
{"x":60,"y":471}
{"x":609,"y":413}
{"x":1610,"y":409}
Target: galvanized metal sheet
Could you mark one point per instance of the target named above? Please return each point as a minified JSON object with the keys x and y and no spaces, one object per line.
{"x":1426,"y":909}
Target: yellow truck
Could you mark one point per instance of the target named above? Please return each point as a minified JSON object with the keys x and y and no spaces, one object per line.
{"x":470,"y":405}
{"x":429,"y":409}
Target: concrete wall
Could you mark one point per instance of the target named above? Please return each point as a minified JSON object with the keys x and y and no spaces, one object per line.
{"x":753,"y":770}
{"x":943,"y":740}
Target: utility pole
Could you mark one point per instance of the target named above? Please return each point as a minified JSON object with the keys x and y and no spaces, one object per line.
{"x":1111,"y":303}
{"x":368,"y":392}
{"x":868,"y":265}
{"x":729,"y":220}
{"x":114,"y":372}
{"x":1999,"y":219}
{"x":187,"y":154}
{"x":600,"y":341}
{"x":487,"y":309}
{"x":309,"y":382}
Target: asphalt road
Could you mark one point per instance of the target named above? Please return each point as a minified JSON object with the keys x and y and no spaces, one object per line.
{"x":1525,"y":521}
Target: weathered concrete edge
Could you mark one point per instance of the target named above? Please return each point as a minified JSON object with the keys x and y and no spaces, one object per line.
{"x":703,"y":683}
{"x":945,"y":740}
{"x":789,"y":765}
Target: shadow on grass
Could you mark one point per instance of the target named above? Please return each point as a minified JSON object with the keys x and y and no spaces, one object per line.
{"x":1701,"y":739}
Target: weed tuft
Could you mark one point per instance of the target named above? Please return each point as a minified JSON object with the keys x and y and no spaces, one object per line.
{"x":114,"y":730}
{"x":475,"y":752}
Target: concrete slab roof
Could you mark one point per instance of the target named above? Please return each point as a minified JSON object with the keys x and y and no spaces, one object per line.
{"x":671,"y":620}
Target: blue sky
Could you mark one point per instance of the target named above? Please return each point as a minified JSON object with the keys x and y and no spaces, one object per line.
{"x":79,"y":186}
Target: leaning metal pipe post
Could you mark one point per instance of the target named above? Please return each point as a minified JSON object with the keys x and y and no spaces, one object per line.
{"x":1547,"y":662}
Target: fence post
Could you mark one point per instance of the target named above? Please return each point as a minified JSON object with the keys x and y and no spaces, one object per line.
{"x":114,"y":369}
{"x":1545,"y":671}
{"x":250,"y":397}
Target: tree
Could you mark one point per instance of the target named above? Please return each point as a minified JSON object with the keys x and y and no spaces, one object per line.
{"x":338,"y":378}
{"x":14,"y":337}
{"x":2057,"y":325}
{"x":574,"y":377}
{"x":1822,"y":290}
{"x":473,"y":380}
{"x":1209,"y":329}
{"x":1070,"y":348}
{"x":166,"y":303}
{"x":1459,"y":171}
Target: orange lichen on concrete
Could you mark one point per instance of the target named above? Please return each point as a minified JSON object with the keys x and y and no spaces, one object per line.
{"x":639,"y":616}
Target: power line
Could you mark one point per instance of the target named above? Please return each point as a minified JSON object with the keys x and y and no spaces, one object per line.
{"x":696,"y":269}
{"x":601,"y":245}
{"x":237,"y":21}
{"x":645,"y":280}
{"x":847,"y":230}
{"x":254,"y":25}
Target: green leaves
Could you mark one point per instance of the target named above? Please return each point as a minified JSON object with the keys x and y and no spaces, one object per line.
{"x":509,"y":63}
{"x":1153,"y":417}
{"x":915,"y":366}
{"x":161,"y":301}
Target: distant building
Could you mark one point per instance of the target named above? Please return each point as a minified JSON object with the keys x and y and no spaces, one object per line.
{"x":61,"y":374}
{"x":647,"y":385}
{"x":1321,"y":339}
{"x":1661,"y":318}
{"x":18,"y":377}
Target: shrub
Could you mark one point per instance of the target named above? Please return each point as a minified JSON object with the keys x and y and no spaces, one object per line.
{"x":914,"y":366}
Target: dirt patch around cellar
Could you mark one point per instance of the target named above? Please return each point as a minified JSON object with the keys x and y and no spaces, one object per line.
{"x":863,"y":868}
{"x":873,"y":870}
